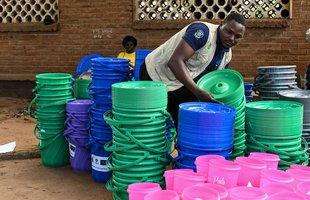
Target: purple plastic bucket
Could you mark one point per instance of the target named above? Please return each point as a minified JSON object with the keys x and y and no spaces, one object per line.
{"x":79,"y":155}
{"x":79,"y":158}
{"x":79,"y":106}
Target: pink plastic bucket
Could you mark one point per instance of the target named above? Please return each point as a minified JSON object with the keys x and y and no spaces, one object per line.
{"x":202,"y":163}
{"x":286,"y":196}
{"x":272,"y":160}
{"x":223,"y":172}
{"x":223,"y":192}
{"x":299,"y":175}
{"x":186,"y":179}
{"x":137,"y":191}
{"x":274,"y":187}
{"x":274,"y":175}
{"x":302,"y":167}
{"x":250,"y":171}
{"x":169,"y":176}
{"x":246,"y":193}
{"x":303,"y":188}
{"x":199,"y":192}
{"x":162,"y":195}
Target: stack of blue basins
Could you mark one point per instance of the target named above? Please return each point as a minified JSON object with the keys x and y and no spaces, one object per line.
{"x":248,"y":89}
{"x":105,"y":72}
{"x":204,"y":128}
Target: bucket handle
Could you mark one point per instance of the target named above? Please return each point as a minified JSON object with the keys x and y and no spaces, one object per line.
{"x":131,"y":164}
{"x":109,"y":187}
{"x":304,"y":159}
{"x":258,"y":77}
{"x":260,"y":85}
{"x":272,"y":149}
{"x":140,"y":144}
{"x":111,"y":147}
{"x":74,"y":141}
{"x":36,"y":131}
{"x":34,"y":100}
{"x":71,"y":116}
{"x":50,"y":116}
{"x":40,"y":147}
{"x":108,"y":118}
{"x":90,"y":91}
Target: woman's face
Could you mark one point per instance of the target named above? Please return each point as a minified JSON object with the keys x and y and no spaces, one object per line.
{"x":130,"y":47}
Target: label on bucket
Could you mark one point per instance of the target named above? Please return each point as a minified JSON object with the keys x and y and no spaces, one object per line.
{"x":219,"y":180}
{"x":72,"y":148}
{"x":99,"y":163}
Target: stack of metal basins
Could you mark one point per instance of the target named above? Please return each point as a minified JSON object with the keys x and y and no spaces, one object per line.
{"x":227,"y":86}
{"x":270,"y":80}
{"x":301,"y":96}
{"x":276,"y":127}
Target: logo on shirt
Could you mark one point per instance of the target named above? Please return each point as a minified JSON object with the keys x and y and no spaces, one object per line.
{"x":198,"y":34}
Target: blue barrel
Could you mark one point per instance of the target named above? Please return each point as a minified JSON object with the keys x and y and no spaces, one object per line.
{"x":140,"y":56}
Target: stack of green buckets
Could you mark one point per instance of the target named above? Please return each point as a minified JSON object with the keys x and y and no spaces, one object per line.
{"x":227,"y":87}
{"x":53,"y":90}
{"x":139,"y":146}
{"x":276,"y":127}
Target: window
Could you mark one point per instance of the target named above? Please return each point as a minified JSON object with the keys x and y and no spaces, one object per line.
{"x":172,"y":10}
{"x":31,"y":15}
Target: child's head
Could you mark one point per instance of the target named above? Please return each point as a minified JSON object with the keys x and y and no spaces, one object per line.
{"x":129,"y":43}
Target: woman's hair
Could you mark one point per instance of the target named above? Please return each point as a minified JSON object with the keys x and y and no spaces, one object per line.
{"x":130,"y":38}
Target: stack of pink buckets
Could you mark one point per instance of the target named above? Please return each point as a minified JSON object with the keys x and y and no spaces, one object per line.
{"x":255,"y":177}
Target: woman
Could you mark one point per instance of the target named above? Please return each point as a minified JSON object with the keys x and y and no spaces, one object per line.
{"x":129,"y":43}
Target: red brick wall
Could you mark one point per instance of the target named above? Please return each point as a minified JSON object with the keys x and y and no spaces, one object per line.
{"x":98,"y":26}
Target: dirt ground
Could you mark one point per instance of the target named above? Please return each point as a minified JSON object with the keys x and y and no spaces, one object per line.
{"x":22,"y":176}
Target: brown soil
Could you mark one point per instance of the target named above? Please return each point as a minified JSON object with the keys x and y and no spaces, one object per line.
{"x":21,"y":173}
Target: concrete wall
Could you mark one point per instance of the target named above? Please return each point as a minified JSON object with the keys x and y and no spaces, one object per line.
{"x":98,"y":26}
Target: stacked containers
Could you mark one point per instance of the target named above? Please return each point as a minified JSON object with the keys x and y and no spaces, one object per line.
{"x":53,"y":90}
{"x":140,"y":56}
{"x":276,"y":127}
{"x":301,"y":96}
{"x":227,"y":87}
{"x":139,"y":146}
{"x":248,"y":89}
{"x":77,"y":134}
{"x":105,"y":72}
{"x":204,"y":128}
{"x":270,"y":80}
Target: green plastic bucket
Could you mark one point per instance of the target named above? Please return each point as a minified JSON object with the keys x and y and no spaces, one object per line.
{"x":139,"y":95}
{"x":54,"y":151}
{"x":225,"y":85}
{"x":53,"y":78}
{"x":81,"y":88}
